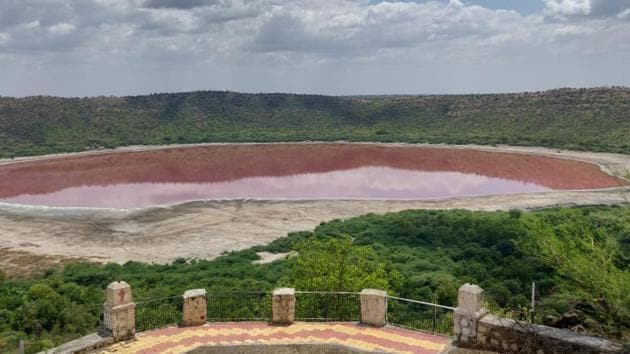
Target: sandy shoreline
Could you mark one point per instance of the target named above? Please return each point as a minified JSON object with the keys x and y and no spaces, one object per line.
{"x":206,"y":229}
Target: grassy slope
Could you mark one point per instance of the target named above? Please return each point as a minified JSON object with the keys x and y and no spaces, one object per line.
{"x":581,"y":119}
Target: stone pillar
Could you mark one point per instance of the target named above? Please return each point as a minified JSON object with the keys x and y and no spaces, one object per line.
{"x":373,"y":307}
{"x":119,"y":311}
{"x":195,"y":310}
{"x":468,"y":313}
{"x":283,"y":306}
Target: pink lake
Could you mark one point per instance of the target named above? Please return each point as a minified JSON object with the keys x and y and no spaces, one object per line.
{"x":286,"y":171}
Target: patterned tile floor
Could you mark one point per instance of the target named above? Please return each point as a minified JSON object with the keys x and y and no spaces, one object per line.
{"x":180,"y":340}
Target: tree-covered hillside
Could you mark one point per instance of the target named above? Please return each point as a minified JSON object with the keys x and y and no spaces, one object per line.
{"x":581,"y":119}
{"x":418,"y":254}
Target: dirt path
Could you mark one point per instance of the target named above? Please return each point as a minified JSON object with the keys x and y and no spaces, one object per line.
{"x":206,"y":229}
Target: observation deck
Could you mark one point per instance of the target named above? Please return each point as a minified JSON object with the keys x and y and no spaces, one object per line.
{"x":286,"y":321}
{"x":299,"y":337}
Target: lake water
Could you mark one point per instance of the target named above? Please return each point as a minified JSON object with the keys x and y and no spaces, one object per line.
{"x":286,"y":171}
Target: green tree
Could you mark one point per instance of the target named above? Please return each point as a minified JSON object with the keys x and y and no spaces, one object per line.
{"x":43,"y":310}
{"x":335,"y":265}
{"x":582,"y":252}
{"x":338,"y":265}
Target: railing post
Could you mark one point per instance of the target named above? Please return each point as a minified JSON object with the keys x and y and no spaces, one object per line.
{"x":195,"y":312}
{"x":468,"y":313}
{"x":119,"y":311}
{"x":283,"y":306}
{"x":373,"y":307}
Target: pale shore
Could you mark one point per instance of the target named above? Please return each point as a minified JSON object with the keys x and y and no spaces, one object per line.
{"x":206,"y":229}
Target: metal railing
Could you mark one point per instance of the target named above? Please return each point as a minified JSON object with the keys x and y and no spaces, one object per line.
{"x":238,"y":306}
{"x":158,"y":313}
{"x":327,"y":306}
{"x":309,"y":306}
{"x":420,"y":315}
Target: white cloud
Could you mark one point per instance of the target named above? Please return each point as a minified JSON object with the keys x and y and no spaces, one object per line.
{"x":563,"y":8}
{"x":62,"y":28}
{"x":172,"y":20}
{"x":360,"y":31}
{"x":32,"y":25}
{"x":4,"y":38}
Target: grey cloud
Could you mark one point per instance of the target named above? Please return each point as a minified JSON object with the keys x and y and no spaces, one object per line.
{"x":11,"y":13}
{"x":65,"y":25}
{"x":56,"y":25}
{"x":288,"y":33}
{"x":226,"y":11}
{"x":302,"y":45}
{"x":15,"y":12}
{"x":178,"y":4}
{"x":211,"y":17}
{"x":609,"y":7}
{"x":381,"y":27}
{"x":585,"y":9}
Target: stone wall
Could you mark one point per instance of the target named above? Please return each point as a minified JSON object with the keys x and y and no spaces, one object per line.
{"x":476,"y":329}
{"x":501,"y":334}
{"x":473,"y":326}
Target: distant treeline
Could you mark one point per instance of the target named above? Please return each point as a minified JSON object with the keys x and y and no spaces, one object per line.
{"x":581,"y":119}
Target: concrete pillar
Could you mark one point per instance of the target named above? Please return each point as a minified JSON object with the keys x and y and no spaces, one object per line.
{"x":373,"y":307}
{"x":195,"y":310}
{"x":119,"y":311}
{"x":468,"y":313}
{"x":283,"y":306}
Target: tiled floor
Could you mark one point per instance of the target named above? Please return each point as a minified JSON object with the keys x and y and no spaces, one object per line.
{"x":181,"y":340}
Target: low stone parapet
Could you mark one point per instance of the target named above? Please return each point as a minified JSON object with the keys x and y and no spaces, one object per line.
{"x":87,"y":344}
{"x":506,"y":335}
{"x":474,"y":328}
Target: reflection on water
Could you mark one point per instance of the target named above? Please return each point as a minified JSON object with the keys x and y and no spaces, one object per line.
{"x":286,"y":171}
{"x":370,"y":182}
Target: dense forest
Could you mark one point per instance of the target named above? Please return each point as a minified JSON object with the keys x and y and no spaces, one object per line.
{"x":582,"y":273}
{"x":580,"y":119}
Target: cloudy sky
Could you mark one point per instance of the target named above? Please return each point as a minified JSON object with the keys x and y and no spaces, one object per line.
{"x":122,"y":47}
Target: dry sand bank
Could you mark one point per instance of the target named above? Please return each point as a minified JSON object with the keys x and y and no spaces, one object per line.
{"x":206,"y":229}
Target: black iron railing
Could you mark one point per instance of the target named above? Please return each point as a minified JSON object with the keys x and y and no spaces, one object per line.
{"x":309,"y":306}
{"x":158,"y":313}
{"x":238,"y":306}
{"x":420,"y":315}
{"x":327,"y":306}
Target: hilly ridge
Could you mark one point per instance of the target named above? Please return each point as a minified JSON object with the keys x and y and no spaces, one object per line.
{"x":595,"y":119}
